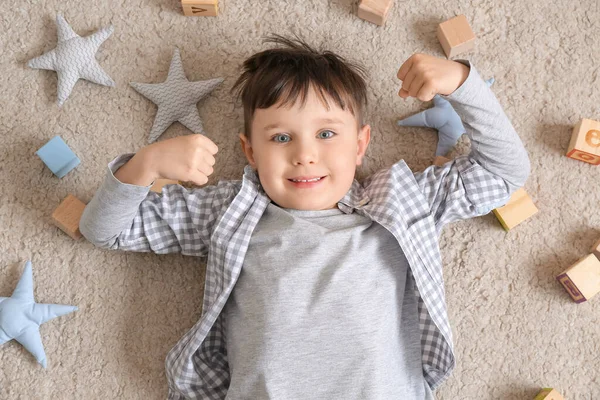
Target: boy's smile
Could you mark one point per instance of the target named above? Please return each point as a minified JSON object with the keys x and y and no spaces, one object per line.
{"x":299,"y":143}
{"x":306,"y":182}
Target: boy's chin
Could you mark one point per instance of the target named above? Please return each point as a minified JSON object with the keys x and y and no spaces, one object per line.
{"x":304,"y":206}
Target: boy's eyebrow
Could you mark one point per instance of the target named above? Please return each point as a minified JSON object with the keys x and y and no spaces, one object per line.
{"x":322,"y":121}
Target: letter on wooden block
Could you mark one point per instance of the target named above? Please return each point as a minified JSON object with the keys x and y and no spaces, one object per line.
{"x":585,"y":142}
{"x":456,"y":36}
{"x":582,"y":280}
{"x":200,"y":8}
{"x":518,"y":209}
{"x":159,"y":183}
{"x":548,"y":394}
{"x":67,"y":216}
{"x":374,"y":11}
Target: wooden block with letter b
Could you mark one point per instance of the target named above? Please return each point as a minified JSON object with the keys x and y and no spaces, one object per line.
{"x":67,"y":215}
{"x":548,"y":394}
{"x":518,"y":209}
{"x":455,"y":36}
{"x":200,"y":8}
{"x":585,"y":142}
{"x":374,"y":11}
{"x":582,"y":279}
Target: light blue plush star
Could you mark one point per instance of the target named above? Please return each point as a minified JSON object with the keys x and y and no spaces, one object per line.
{"x":176,"y":99}
{"x":21,"y":316}
{"x":74,"y":57}
{"x":443,"y":118}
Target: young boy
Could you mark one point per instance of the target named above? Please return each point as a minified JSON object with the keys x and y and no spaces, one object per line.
{"x":317,"y":286}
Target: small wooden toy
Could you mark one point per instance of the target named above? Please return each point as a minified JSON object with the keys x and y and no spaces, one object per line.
{"x":58,"y":156}
{"x":374,"y":11}
{"x":440,"y":160}
{"x":582,"y":280}
{"x":548,"y":394}
{"x":585,"y":142}
{"x":456,"y":36}
{"x":596,"y":249}
{"x":159,"y":183}
{"x":67,"y":216}
{"x":200,"y":8}
{"x":518,"y":209}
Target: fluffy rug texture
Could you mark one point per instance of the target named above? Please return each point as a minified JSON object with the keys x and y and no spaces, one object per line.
{"x":515,"y":328}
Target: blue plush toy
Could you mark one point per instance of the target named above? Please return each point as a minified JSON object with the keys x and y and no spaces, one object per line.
{"x":21,"y":316}
{"x":443,"y":118}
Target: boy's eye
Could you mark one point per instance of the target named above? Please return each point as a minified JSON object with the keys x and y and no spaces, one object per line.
{"x":276,"y":137}
{"x":332,"y":133}
{"x":280,"y":136}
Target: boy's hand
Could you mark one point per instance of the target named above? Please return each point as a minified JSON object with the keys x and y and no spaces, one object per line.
{"x":424,"y":76}
{"x":187,"y":158}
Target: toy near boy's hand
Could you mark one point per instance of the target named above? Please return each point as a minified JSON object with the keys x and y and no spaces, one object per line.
{"x":423,"y":76}
{"x":188,"y":158}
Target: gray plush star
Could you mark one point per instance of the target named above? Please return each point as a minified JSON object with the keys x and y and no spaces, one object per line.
{"x":176,"y":99}
{"x":74,"y":57}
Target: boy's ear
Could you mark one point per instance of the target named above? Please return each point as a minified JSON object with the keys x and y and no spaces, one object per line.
{"x":364,"y":137}
{"x":247,"y":149}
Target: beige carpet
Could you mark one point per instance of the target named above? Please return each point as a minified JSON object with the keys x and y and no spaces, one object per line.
{"x":515,"y":327}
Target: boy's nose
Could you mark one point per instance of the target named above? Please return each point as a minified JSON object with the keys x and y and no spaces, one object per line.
{"x":305,"y":154}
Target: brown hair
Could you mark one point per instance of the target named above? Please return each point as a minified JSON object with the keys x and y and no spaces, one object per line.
{"x":283,"y":74}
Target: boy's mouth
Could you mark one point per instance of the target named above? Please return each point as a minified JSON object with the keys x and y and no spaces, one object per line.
{"x":306,"y":179}
{"x":307,"y":183}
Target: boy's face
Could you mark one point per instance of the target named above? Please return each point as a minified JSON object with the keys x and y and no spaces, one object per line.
{"x":311,"y":141}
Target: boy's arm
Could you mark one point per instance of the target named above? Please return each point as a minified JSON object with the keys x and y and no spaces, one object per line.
{"x":497,"y":165}
{"x":131,"y":217}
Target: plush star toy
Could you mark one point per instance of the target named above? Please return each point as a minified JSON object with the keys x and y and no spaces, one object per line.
{"x":176,"y":99}
{"x":74,"y":57}
{"x":21,"y":316}
{"x":443,"y":118}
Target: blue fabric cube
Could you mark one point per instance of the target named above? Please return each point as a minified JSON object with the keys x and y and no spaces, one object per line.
{"x":58,"y":156}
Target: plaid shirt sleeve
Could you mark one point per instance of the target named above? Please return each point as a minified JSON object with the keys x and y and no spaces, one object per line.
{"x":121,"y":216}
{"x":498,"y":164}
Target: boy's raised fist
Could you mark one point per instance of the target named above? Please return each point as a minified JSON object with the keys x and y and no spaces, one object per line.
{"x":423,"y":76}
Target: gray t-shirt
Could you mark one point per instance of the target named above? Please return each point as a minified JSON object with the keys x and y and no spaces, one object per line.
{"x":328,"y":314}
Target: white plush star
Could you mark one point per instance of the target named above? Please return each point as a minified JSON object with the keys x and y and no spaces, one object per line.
{"x":74,"y":57}
{"x":176,"y":99}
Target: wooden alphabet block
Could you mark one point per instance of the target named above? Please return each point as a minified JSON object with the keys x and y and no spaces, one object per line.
{"x":159,"y":183}
{"x":67,"y":215}
{"x":582,"y":280}
{"x":456,"y":36}
{"x":518,"y":209}
{"x":585,"y":142}
{"x":374,"y":11}
{"x":596,"y":249}
{"x":548,"y":394}
{"x":440,"y":160}
{"x":200,"y":8}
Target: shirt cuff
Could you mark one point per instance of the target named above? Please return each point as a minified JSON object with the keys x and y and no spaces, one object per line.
{"x":470,"y":85}
{"x":113,"y":183}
